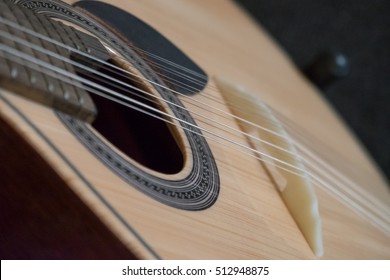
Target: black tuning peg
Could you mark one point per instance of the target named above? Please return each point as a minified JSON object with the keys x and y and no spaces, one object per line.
{"x":327,"y":67}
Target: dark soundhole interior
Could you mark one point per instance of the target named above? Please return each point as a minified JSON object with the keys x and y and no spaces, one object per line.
{"x":146,"y":139}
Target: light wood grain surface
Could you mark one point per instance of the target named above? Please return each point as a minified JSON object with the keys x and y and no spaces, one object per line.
{"x":249,"y":219}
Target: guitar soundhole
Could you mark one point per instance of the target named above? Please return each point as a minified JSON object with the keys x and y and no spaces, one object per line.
{"x":144,"y":138}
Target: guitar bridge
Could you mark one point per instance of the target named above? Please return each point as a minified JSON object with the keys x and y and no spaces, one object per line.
{"x":276,"y":150}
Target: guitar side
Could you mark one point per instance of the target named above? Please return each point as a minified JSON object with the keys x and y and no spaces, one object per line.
{"x":249,"y":219}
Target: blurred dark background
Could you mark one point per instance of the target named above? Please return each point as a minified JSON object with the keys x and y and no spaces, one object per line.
{"x":359,"y":29}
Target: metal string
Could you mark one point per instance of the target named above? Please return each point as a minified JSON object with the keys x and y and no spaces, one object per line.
{"x":258,"y":158}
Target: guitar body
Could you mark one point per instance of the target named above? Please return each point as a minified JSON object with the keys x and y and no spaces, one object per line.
{"x":59,"y":200}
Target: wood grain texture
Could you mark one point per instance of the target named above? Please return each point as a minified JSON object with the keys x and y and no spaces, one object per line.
{"x":249,"y":220}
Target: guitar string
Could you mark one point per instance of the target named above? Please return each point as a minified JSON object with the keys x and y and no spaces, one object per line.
{"x":303,"y":149}
{"x":192,"y":131}
{"x":377,"y":217}
{"x":258,"y":139}
{"x":173,"y":65}
{"x":125,"y":73}
{"x":313,"y":161}
{"x":339,"y":180}
{"x":329,"y":167}
{"x":116,"y":68}
{"x":104,"y":77}
{"x":86,"y":69}
{"x":246,"y":135}
{"x":359,"y":209}
{"x":21,"y":41}
{"x":295,"y":130}
{"x":180,"y":67}
{"x":85,"y":81}
{"x":220,"y":161}
{"x":310,"y":154}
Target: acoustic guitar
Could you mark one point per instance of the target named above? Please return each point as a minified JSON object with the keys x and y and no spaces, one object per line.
{"x":172,"y":130}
